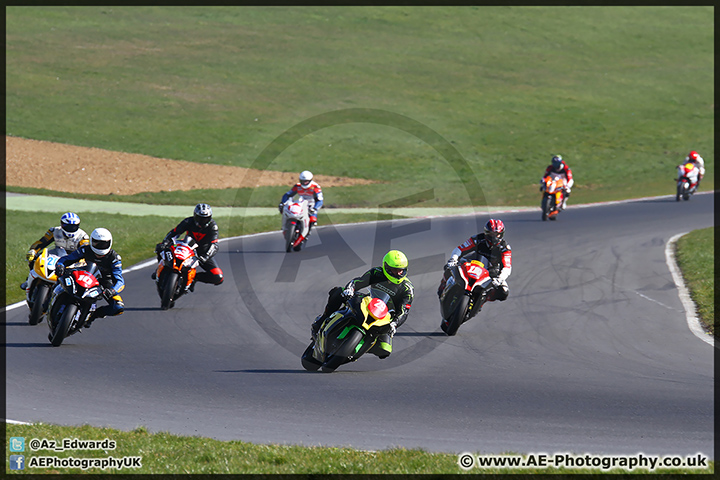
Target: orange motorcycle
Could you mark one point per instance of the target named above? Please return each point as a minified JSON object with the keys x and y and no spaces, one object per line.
{"x":553,"y":188}
{"x":176,"y":271}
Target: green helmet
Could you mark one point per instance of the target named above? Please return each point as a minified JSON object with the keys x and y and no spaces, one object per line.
{"x":395,"y":266}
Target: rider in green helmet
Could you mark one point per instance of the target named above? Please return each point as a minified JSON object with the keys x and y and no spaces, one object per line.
{"x":390,"y":278}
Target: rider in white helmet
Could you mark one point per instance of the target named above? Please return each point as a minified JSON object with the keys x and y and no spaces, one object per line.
{"x":100,"y":252}
{"x":68,"y":236}
{"x":309,"y":190}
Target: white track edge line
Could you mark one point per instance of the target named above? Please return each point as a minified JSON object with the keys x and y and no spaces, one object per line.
{"x":690,"y":310}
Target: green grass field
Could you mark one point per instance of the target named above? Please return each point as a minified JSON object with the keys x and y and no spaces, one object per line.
{"x":623,"y":93}
{"x":464,"y":105}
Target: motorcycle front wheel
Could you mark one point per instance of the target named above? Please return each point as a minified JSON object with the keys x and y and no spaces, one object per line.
{"x":63,"y":326}
{"x":545,"y":206}
{"x":457,"y":317}
{"x":308,"y":361}
{"x":290,"y":235}
{"x":168,"y":289}
{"x":40,"y":296}
{"x":341,"y":354}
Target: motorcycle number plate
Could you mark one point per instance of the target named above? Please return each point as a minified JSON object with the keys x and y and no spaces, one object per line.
{"x":474,"y":271}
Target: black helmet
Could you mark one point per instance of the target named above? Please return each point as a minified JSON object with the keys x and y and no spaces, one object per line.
{"x":202,"y":215}
{"x":557,"y":163}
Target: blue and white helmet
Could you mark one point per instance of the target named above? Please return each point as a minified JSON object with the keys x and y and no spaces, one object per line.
{"x":69,"y":223}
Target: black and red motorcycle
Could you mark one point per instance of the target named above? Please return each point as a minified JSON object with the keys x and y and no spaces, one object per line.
{"x":464,"y":294}
{"x":74,"y":298}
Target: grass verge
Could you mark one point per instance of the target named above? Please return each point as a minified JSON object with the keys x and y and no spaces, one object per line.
{"x":696,"y":258}
{"x":163,"y":453}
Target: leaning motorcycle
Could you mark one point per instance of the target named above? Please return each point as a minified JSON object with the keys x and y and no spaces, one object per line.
{"x":464,"y":294}
{"x":688,"y":176}
{"x":74,"y":298}
{"x":295,"y":224}
{"x":177,"y":270}
{"x":349,"y":333}
{"x":553,"y":188}
{"x":43,"y":278}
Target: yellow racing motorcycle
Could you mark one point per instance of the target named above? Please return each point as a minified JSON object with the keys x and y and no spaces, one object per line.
{"x":41,"y":281}
{"x":349,"y":333}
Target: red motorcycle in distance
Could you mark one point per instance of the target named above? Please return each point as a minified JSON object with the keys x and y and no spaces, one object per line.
{"x":74,"y":298}
{"x":553,"y":188}
{"x":176,"y":271}
{"x":464,"y":294}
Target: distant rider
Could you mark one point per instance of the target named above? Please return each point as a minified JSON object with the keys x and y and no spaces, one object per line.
{"x":390,"y":278}
{"x":694,"y":157}
{"x":306,"y":189}
{"x":100,"y":252}
{"x":203,"y":229}
{"x":490,"y":244}
{"x":68,"y":236}
{"x":558,"y":165}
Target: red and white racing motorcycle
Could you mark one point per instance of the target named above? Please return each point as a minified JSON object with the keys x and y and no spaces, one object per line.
{"x":295,"y":224}
{"x":687,"y":182}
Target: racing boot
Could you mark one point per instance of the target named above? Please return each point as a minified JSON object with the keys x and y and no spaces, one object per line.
{"x":96,"y":314}
{"x":24,"y":285}
{"x":315,"y":327}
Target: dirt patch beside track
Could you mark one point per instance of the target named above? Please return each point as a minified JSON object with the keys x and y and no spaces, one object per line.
{"x":67,"y":168}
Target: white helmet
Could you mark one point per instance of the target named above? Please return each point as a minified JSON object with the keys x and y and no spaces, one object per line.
{"x":101,"y":241}
{"x":305,"y":178}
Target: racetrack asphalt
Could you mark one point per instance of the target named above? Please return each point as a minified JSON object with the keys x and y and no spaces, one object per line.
{"x":590,"y":353}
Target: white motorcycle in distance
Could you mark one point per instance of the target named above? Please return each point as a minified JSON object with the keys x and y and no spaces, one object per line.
{"x":688,"y":177}
{"x":295,"y":224}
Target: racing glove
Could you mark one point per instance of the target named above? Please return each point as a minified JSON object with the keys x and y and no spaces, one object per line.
{"x":393,"y":329}
{"x":59,"y":269}
{"x":109,"y":293}
{"x":451,"y":263}
{"x":31,"y":255}
{"x":280,"y":207}
{"x":349,"y":291}
{"x":496,"y":282}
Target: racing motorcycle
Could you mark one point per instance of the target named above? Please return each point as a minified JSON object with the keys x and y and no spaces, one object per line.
{"x":176,"y":272}
{"x":553,"y":188}
{"x":296,"y":224}
{"x":349,"y":333}
{"x":464,"y":294}
{"x":37,"y":293}
{"x":74,"y":298}
{"x":688,"y":176}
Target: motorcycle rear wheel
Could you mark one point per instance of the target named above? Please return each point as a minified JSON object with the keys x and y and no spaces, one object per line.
{"x":63,"y":326}
{"x":40,"y":296}
{"x":456,"y":319}
{"x":168,"y":290}
{"x":341,"y":354}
